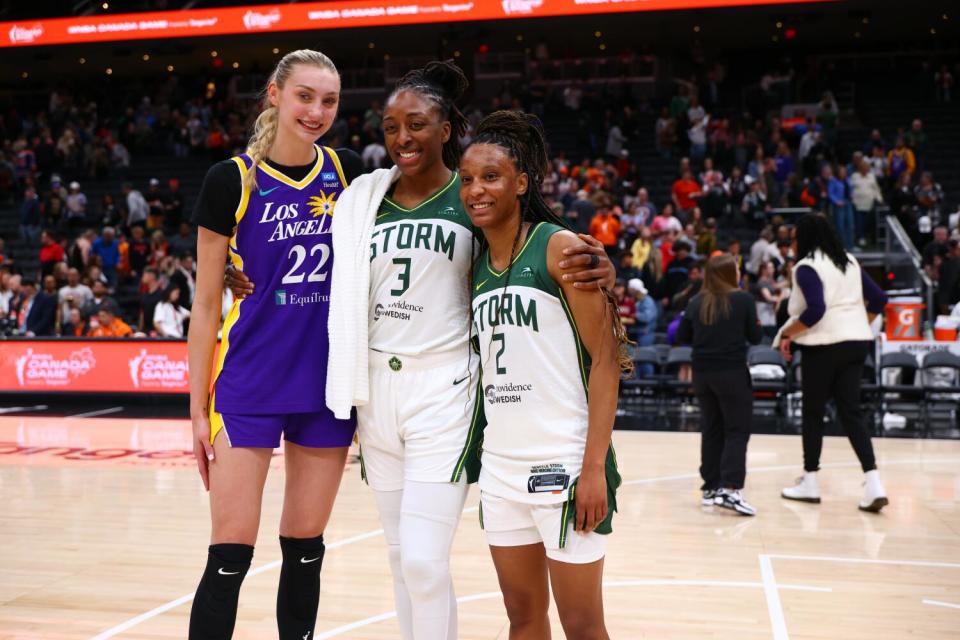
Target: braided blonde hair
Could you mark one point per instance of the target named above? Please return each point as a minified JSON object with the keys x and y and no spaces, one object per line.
{"x":265,"y":128}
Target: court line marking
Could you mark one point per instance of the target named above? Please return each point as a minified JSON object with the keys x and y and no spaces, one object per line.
{"x":772,"y":593}
{"x":113,"y":631}
{"x":913,"y":563}
{"x":99,"y":412}
{"x":487,"y":595}
{"x":937,"y":603}
{"x":36,"y":407}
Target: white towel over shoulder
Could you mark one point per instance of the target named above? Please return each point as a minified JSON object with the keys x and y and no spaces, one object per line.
{"x":353,"y":221}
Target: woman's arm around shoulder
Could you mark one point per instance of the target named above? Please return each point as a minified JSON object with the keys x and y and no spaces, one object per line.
{"x":594,"y":317}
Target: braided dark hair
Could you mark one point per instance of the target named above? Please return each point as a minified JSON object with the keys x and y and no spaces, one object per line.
{"x":521,"y":136}
{"x":444,"y":84}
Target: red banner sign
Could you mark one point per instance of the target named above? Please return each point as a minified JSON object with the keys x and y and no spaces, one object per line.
{"x":321,"y":15}
{"x":42,"y":366}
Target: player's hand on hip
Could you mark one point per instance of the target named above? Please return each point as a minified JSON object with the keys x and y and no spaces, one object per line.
{"x":238,"y":282}
{"x":588,"y":266}
{"x":202,"y":449}
{"x":591,"y":500}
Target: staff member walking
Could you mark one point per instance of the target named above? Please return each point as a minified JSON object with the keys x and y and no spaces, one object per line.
{"x":718,"y":322}
{"x":831,"y":307}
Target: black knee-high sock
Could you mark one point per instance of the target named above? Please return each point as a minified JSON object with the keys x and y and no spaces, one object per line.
{"x":214,"y":611}
{"x":299,"y":594}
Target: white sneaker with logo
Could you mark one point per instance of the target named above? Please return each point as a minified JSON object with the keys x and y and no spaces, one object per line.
{"x":807,"y":489}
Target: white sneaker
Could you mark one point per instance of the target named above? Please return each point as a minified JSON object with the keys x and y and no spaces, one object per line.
{"x":874,"y":496}
{"x":709,"y":498}
{"x":807,"y":489}
{"x":733,"y":500}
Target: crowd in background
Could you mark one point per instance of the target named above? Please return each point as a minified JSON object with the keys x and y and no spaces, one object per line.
{"x":124,"y":264}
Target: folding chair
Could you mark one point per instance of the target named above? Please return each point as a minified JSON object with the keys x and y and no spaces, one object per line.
{"x":940,"y":391}
{"x":904,"y":391}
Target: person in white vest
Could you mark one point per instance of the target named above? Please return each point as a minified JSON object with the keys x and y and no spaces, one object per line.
{"x":831,"y":307}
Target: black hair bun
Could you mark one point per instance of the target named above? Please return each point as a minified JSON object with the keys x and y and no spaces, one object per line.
{"x":448,"y":77}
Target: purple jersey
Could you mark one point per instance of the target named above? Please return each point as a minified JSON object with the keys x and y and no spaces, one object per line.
{"x":273,"y":355}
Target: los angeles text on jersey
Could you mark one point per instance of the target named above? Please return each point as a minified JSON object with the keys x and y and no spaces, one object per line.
{"x":507,"y":393}
{"x":508,"y":308}
{"x":288,"y":222}
{"x":407,"y":235}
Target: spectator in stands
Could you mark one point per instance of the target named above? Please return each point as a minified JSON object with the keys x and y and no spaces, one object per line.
{"x":626,"y":306}
{"x":110,"y":214}
{"x":184,"y":242}
{"x":754,"y":206}
{"x":767,"y":295}
{"x":51,"y":252}
{"x":39,"y":309}
{"x":937,"y":247}
{"x":6,"y":293}
{"x":829,"y":322}
{"x":181,"y":274}
{"x":152,"y":293}
{"x":875,"y":141}
{"x":109,"y":325}
{"x":762,"y":250}
{"x":948,"y":283}
{"x":646,"y":313}
{"x":73,"y":295}
{"x":900,"y":160}
{"x":120,"y":159}
{"x":707,"y":238}
{"x":838,"y":192}
{"x":160,"y":248}
{"x":173,"y":204}
{"x":878,"y":165}
{"x":719,"y":322}
{"x":581,"y":212}
{"x":76,"y":208}
{"x":138,"y":252}
{"x":665,"y":133}
{"x":694,"y":282}
{"x":605,"y":227}
{"x":645,"y":209}
{"x":784,"y":164}
{"x":665,"y":221}
{"x":626,"y":270}
{"x":676,"y":274}
{"x":168,"y":315}
{"x":685,"y":192}
{"x":157,"y":206}
{"x":916,"y":140}
{"x":615,"y":142}
{"x":137,"y":208}
{"x":929,"y":196}
{"x":866,"y":195}
{"x":100,"y":295}
{"x":903,"y":202}
{"x":807,"y":140}
{"x":73,"y":325}
{"x":107,"y":249}
{"x":698,"y":138}
{"x":30,"y":217}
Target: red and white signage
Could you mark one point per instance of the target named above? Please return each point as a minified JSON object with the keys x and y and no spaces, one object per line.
{"x":321,"y":15}
{"x":106,"y":366}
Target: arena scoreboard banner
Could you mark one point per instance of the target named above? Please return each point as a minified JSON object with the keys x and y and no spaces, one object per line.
{"x":94,"y":366}
{"x":309,"y":16}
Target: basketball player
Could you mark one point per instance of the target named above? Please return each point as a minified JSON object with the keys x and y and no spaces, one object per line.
{"x":409,"y":268}
{"x":269,"y":211}
{"x":550,"y":360}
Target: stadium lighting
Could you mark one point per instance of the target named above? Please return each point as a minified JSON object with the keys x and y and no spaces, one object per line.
{"x":213,"y":54}
{"x":82,"y":61}
{"x":169,"y":67}
{"x":276,"y":51}
{"x":236,"y":65}
{"x":105,"y":5}
{"x":109,"y":71}
{"x":371,"y":45}
{"x":24,"y":75}
{"x":146,"y":57}
{"x":597,"y":34}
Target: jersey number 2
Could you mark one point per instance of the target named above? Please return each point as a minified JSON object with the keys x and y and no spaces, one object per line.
{"x":498,"y":337}
{"x":299,"y":253}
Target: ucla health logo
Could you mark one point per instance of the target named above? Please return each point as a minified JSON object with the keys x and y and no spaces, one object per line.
{"x":280,"y":297}
{"x":328,"y":176}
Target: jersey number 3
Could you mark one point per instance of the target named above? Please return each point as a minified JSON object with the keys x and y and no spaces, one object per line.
{"x":299,"y":254}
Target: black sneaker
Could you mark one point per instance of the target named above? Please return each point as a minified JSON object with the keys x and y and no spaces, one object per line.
{"x":709,"y":498}
{"x":731,"y":499}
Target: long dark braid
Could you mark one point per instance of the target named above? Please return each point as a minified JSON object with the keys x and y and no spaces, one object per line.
{"x":444,"y":84}
{"x":521,"y":135}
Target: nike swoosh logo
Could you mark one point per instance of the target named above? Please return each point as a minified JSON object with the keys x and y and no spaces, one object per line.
{"x":227,"y":573}
{"x":305,"y":561}
{"x":482,"y":283}
{"x":456,"y":382}
{"x":263,"y":193}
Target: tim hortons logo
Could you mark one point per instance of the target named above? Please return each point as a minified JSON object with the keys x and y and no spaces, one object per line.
{"x":258,"y":20}
{"x":25,"y":34}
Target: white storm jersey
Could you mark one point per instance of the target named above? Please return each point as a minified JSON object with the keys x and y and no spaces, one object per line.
{"x":419,"y":271}
{"x":534,"y":371}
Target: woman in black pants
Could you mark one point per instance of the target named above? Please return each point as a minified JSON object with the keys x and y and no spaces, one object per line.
{"x":718,"y":322}
{"x":831,"y":307}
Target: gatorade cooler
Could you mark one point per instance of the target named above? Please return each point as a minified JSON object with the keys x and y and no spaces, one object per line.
{"x":945,"y":330}
{"x":904,"y":316}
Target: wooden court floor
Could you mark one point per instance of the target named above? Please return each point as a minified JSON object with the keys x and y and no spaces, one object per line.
{"x":104,"y":527}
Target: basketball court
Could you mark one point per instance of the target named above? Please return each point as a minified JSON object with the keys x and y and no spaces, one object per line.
{"x":104,"y":531}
